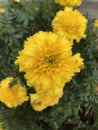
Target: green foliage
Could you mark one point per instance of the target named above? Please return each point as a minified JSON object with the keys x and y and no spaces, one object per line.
{"x":79,"y":100}
{"x":17,"y":23}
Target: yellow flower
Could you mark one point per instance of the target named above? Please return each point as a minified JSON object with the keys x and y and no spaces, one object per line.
{"x":69,"y":2}
{"x":18,"y":1}
{"x":70,"y":23}
{"x":2,"y":10}
{"x":96,"y":23}
{"x":43,"y":99}
{"x":12,"y":96}
{"x":47,"y":61}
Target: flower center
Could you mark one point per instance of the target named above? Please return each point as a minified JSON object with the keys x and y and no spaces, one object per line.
{"x":51,"y":61}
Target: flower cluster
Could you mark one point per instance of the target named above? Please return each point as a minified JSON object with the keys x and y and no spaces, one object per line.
{"x":47,"y":61}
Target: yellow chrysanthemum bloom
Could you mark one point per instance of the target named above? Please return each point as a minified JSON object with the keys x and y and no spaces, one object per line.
{"x":1,"y":128}
{"x":43,"y":99}
{"x":70,"y":23}
{"x":96,"y":23}
{"x":47,"y":61}
{"x":2,"y":10}
{"x":12,"y":96}
{"x":69,"y":2}
{"x":18,"y":1}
